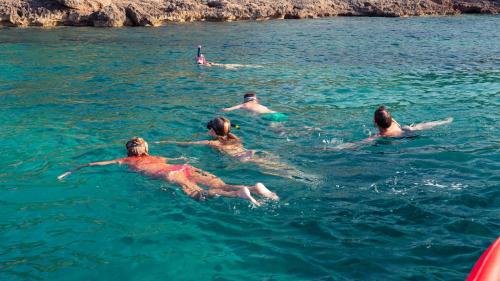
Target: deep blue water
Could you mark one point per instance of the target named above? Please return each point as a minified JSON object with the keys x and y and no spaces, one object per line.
{"x":406,"y":209}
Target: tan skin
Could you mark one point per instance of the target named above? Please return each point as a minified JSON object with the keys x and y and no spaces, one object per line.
{"x":235,"y":149}
{"x":252,"y":106}
{"x":396,"y":131}
{"x":155,"y":166}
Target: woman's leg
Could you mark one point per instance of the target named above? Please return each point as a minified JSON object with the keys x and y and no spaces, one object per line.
{"x":190,"y":188}
{"x":194,"y":191}
{"x":241,"y":193}
{"x":213,"y":182}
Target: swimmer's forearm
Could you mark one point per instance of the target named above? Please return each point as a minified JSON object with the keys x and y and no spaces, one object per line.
{"x":184,"y":142}
{"x":430,"y":125}
{"x":233,"y":108}
{"x":102,"y":163}
{"x":353,"y":145}
{"x":178,"y":158}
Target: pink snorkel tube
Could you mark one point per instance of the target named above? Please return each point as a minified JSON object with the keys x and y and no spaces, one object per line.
{"x":200,"y":58}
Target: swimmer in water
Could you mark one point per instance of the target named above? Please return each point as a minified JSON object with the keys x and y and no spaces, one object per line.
{"x":390,"y":128}
{"x":186,"y":176}
{"x":251,"y":104}
{"x":200,"y":58}
{"x":226,"y":142}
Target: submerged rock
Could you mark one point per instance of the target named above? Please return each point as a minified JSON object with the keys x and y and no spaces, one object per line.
{"x":116,"y":13}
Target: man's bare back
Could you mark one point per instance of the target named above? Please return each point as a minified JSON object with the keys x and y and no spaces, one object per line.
{"x":251,"y":103}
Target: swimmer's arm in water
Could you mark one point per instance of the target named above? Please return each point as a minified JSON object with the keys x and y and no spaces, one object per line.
{"x":352,"y":145}
{"x":233,"y":108}
{"x":182,"y":158}
{"x":102,"y":163}
{"x":203,"y":142}
{"x":428,"y":125}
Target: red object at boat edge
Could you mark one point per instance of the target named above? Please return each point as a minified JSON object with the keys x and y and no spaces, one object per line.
{"x":487,"y":267}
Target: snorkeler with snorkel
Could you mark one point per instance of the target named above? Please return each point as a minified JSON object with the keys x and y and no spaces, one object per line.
{"x":200,"y":60}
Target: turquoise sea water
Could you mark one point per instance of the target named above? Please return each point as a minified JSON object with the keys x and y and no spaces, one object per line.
{"x":408,"y":209}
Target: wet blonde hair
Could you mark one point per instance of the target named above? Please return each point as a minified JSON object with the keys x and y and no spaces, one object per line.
{"x":222,"y":128}
{"x":137,"y":147}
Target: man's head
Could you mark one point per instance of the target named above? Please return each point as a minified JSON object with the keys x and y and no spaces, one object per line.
{"x":250,"y":96}
{"x":137,"y":147}
{"x":382,"y":118}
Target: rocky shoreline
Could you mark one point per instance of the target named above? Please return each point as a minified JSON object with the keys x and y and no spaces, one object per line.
{"x":116,"y":13}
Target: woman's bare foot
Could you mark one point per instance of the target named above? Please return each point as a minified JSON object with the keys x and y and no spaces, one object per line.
{"x":262,"y":190}
{"x":245,"y":194}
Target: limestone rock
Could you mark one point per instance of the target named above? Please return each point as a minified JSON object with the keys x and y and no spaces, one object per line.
{"x":114,"y":13}
{"x":143,"y":16}
{"x":109,"y":16}
{"x":85,"y":5}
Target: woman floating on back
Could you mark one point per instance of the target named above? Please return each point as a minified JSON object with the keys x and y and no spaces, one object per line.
{"x":186,"y":176}
{"x":226,"y":142}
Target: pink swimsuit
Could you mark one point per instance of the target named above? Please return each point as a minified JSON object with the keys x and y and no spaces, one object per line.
{"x":201,"y":60}
{"x":186,"y":169}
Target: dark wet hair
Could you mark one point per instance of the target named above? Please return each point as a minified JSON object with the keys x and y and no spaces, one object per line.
{"x":382,"y":117}
{"x":250,"y":96}
{"x":222,"y":128}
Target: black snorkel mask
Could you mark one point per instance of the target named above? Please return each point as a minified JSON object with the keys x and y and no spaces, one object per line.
{"x":210,"y":125}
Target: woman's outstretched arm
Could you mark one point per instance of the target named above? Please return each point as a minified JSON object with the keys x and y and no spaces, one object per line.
{"x":203,"y":142}
{"x":102,"y":163}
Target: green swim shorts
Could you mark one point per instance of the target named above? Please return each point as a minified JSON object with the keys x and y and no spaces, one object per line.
{"x":275,"y":117}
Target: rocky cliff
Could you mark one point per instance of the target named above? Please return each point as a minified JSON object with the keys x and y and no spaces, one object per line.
{"x":115,"y":13}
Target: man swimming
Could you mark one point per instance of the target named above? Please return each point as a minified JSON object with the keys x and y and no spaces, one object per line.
{"x":186,"y":176}
{"x":251,"y":104}
{"x":390,"y":128}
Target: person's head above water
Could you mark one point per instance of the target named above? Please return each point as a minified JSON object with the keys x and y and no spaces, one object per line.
{"x":137,"y":147}
{"x":220,"y":125}
{"x":221,"y":128}
{"x":250,"y":96}
{"x":382,"y":118}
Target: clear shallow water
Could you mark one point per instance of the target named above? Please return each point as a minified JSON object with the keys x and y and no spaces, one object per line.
{"x":412,"y":209}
